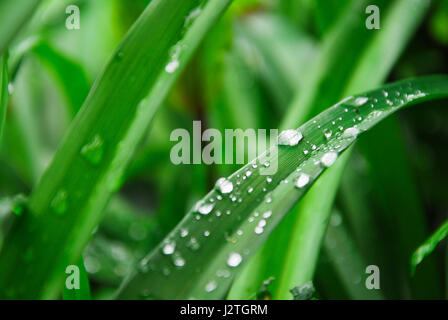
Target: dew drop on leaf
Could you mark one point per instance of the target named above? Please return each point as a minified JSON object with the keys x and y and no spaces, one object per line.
{"x":234,"y":259}
{"x":302,"y":180}
{"x":93,"y":151}
{"x":289,"y":137}
{"x":178,"y":261}
{"x":211,"y":286}
{"x":351,"y":132}
{"x":360,"y":101}
{"x":267,"y":214}
{"x":327,"y":133}
{"x":204,"y":208}
{"x":172,"y":66}
{"x":168,"y":248}
{"x":259,"y":230}
{"x":329,"y":158}
{"x":224,"y":186}
{"x":59,"y":202}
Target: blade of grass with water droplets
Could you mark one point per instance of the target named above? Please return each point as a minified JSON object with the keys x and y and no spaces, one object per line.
{"x":201,"y":256}
{"x":4,"y":92}
{"x":67,"y":204}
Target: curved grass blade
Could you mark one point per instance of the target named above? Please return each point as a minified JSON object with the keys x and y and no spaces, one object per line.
{"x":200,"y":257}
{"x":13,"y":15}
{"x":67,"y":204}
{"x":428,"y":246}
{"x":4,"y":94}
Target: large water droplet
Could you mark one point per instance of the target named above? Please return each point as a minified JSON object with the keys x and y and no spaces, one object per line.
{"x":168,"y":248}
{"x":10,"y":88}
{"x":204,"y":207}
{"x":289,"y":137}
{"x":351,"y":132}
{"x":209,"y":287}
{"x":360,"y":101}
{"x":172,"y":66}
{"x":329,"y":158}
{"x":178,"y":261}
{"x":327,"y":133}
{"x":234,"y":259}
{"x":224,"y":186}
{"x":302,"y":180}
{"x":93,"y":151}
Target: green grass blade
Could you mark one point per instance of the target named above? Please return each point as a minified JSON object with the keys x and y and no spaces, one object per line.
{"x":14,"y":15}
{"x":428,"y":246}
{"x":67,"y":204}
{"x":200,"y":257}
{"x":4,"y":94}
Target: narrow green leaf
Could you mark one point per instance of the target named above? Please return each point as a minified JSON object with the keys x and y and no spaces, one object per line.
{"x":4,"y":94}
{"x":428,"y":246}
{"x":200,"y":257}
{"x":67,"y":204}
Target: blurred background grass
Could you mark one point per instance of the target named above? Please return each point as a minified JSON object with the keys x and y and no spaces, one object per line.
{"x":248,"y":70}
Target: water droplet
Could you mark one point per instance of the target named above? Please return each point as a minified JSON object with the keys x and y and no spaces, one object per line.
{"x":327,"y":133}
{"x":209,"y":287}
{"x":289,"y":137}
{"x":248,"y":173}
{"x":206,"y":233}
{"x":234,"y":259}
{"x":168,"y":248}
{"x":329,"y":158}
{"x":250,"y":190}
{"x":183,"y":233}
{"x":59,"y":202}
{"x":351,"y":132}
{"x":360,"y":101}
{"x":93,"y":151}
{"x":204,"y":208}
{"x":267,"y":214}
{"x":258,"y":230}
{"x":178,"y":261}
{"x":268,"y":179}
{"x":192,"y":16}
{"x":193,"y":244}
{"x":262,"y":223}
{"x":10,"y":88}
{"x":302,"y":180}
{"x":224,"y":186}
{"x":172,"y":66}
